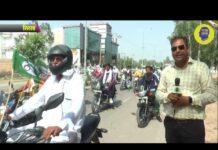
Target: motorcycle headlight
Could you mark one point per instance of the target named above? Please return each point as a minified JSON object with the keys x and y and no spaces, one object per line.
{"x":142,"y":93}
{"x":98,"y":86}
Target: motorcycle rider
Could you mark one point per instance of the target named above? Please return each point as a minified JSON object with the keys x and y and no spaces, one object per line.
{"x":116,"y":72}
{"x":137,"y":76}
{"x":63,"y":123}
{"x":129,"y":73}
{"x":151,"y":81}
{"x":108,"y":80}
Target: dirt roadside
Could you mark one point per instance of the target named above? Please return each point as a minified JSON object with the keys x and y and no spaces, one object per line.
{"x":211,"y":123}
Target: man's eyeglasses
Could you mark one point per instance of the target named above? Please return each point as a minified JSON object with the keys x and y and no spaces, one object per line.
{"x":181,"y":47}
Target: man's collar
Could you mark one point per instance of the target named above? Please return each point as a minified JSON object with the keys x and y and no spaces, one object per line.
{"x":190,"y":61}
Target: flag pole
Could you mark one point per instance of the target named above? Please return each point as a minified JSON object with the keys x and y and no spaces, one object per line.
{"x":9,"y":91}
{"x":20,"y":96}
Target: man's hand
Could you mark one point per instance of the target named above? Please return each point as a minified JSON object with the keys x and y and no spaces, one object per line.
{"x":183,"y":101}
{"x":173,"y":97}
{"x":8,"y":118}
{"x":53,"y":130}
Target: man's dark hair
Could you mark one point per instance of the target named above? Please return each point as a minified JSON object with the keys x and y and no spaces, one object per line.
{"x":149,"y":67}
{"x":173,"y":39}
{"x":105,"y":65}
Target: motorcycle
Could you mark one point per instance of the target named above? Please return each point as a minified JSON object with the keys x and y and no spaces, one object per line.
{"x":145,"y":111}
{"x":12,"y":103}
{"x":135,"y":84}
{"x":101,"y":97}
{"x":15,"y":100}
{"x":125,"y":82}
{"x":94,"y":82}
{"x":90,"y":132}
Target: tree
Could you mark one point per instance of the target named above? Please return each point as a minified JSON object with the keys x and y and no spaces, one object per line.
{"x":167,"y":60}
{"x":208,"y":53}
{"x":35,"y":45}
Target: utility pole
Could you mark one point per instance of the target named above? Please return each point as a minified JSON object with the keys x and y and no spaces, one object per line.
{"x":124,"y":61}
{"x":143,"y":49}
{"x":199,"y":49}
{"x":189,"y":38}
{"x":132,"y":59}
{"x":85,"y":49}
{"x":215,"y":45}
{"x":100,"y":57}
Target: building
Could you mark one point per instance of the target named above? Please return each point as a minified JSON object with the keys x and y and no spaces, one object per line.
{"x":101,"y":47}
{"x":74,"y":37}
{"x":58,"y":36}
{"x":7,"y":44}
{"x":109,"y":45}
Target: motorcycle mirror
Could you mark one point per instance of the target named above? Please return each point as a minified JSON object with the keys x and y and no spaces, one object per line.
{"x":141,"y":88}
{"x":34,"y":116}
{"x":54,"y":101}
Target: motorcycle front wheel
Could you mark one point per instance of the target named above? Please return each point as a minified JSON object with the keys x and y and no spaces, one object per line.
{"x":122,"y":85}
{"x":143,"y":116}
{"x":96,"y":105}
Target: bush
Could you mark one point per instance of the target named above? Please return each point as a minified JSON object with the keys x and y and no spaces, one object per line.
{"x":7,"y":75}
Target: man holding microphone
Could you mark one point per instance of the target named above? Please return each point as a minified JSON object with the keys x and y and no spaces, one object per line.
{"x":185,"y":88}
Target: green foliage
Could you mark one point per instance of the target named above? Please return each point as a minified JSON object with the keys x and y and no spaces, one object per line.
{"x":208,"y":53}
{"x":140,"y":63}
{"x":35,"y":45}
{"x":6,"y":75}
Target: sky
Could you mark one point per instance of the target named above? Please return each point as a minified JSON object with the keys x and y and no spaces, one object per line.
{"x":136,"y":39}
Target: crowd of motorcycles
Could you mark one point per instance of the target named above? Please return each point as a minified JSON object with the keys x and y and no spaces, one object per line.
{"x":90,"y":130}
{"x":146,"y":98}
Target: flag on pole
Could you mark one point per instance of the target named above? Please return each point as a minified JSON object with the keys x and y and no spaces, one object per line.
{"x":24,"y":67}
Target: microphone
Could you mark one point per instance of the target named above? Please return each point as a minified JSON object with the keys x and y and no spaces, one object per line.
{"x":177,"y":88}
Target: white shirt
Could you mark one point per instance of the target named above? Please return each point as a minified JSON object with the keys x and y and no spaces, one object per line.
{"x":69,"y":115}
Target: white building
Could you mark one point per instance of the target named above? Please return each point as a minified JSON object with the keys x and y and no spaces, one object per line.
{"x":109,"y":46}
{"x":104,"y":29}
{"x":58,"y":36}
{"x":7,"y":41}
{"x":7,"y":44}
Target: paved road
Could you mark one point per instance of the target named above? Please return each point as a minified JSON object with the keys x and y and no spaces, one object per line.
{"x":4,"y":85}
{"x":121,"y":121}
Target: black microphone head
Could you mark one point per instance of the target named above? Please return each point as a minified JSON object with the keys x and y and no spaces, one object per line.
{"x":177,"y":81}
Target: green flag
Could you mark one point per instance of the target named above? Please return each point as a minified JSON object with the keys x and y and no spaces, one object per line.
{"x":24,"y":67}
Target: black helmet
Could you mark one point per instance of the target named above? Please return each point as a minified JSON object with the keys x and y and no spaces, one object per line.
{"x":65,"y":52}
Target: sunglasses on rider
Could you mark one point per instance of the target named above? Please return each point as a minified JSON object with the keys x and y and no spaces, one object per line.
{"x":180,"y":47}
